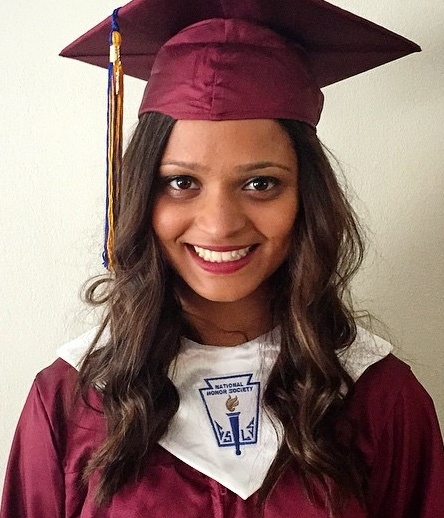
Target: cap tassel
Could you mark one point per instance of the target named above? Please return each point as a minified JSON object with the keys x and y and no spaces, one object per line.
{"x":114,"y":140}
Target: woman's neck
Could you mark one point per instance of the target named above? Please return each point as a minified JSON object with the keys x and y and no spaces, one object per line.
{"x":227,"y":323}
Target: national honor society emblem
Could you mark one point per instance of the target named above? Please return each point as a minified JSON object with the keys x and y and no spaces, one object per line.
{"x":232,"y":405}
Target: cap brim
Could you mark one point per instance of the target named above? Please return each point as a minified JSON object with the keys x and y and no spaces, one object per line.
{"x":338,"y":43}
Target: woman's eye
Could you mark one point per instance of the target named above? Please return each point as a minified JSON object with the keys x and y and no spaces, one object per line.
{"x":261,"y":183}
{"x":181,"y":183}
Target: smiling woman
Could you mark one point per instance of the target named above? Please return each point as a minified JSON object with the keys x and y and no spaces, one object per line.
{"x":298,"y":245}
{"x":228,"y":376}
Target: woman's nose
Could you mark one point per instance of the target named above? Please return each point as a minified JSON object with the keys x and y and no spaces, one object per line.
{"x":220,"y":214}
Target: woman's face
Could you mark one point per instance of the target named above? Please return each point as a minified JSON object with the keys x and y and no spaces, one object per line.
{"x":226,"y":205}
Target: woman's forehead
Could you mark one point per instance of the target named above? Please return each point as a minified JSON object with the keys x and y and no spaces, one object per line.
{"x":203,"y":141}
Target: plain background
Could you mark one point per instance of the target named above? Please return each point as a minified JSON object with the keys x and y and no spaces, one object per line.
{"x":385,"y":127}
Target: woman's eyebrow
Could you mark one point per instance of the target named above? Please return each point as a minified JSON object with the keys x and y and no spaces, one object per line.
{"x":263,"y":165}
{"x":194,"y":166}
{"x":255,"y":166}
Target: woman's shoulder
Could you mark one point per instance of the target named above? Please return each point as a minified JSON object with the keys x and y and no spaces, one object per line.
{"x":61,"y":376}
{"x":56,"y":385}
{"x":52,"y":403}
{"x":55,"y":399}
{"x":58,"y":379}
{"x":388,"y":403}
{"x":386,"y":379}
{"x":399,"y":435}
{"x":384,"y":384}
{"x":379,"y":376}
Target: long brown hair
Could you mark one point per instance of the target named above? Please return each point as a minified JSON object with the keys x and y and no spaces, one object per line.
{"x":306,"y":387}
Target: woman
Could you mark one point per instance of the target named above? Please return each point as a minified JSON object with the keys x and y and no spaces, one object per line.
{"x":228,"y":377}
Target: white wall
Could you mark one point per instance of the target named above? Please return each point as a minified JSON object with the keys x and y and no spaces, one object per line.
{"x":384,"y":126}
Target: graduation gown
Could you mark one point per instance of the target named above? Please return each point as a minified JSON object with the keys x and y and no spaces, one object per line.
{"x":399,"y":436}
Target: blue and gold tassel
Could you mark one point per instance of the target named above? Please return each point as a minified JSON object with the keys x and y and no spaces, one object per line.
{"x":114,"y":140}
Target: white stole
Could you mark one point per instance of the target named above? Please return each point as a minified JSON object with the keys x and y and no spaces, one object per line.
{"x":221,"y":428}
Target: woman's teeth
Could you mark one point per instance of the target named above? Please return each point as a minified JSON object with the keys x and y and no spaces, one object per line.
{"x":221,"y":257}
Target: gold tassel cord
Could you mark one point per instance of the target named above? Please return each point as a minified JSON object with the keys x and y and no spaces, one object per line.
{"x":115,"y":118}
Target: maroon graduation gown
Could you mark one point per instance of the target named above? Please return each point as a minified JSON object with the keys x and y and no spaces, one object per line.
{"x":399,"y":436}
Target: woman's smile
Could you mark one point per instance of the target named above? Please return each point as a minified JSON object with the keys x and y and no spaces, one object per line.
{"x":218,"y":262}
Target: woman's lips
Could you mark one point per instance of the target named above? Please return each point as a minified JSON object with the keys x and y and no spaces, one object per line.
{"x":221,"y":259}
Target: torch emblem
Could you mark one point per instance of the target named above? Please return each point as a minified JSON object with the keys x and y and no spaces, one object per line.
{"x":232,"y":406}
{"x":232,"y":403}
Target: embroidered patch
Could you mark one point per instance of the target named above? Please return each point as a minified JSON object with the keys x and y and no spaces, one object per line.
{"x":232,"y":405}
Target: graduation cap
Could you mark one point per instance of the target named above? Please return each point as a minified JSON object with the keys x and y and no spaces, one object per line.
{"x":232,"y":59}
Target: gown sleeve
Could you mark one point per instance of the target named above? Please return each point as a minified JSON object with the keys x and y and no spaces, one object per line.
{"x":34,"y":482}
{"x":407,"y":466}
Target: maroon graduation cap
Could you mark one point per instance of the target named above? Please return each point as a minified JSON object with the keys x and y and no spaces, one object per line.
{"x":231,"y":59}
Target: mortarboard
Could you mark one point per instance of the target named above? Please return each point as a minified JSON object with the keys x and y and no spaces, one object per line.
{"x":233,"y":59}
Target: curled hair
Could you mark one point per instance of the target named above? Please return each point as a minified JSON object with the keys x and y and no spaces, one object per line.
{"x":138,"y":398}
{"x":306,"y":387}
